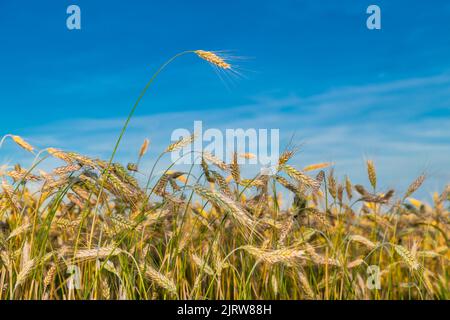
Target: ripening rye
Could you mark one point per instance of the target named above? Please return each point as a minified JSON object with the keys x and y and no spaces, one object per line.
{"x":94,"y":229}
{"x":216,"y":244}
{"x":213,"y":58}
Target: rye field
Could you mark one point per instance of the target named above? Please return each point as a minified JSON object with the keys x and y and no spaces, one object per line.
{"x":97,"y":229}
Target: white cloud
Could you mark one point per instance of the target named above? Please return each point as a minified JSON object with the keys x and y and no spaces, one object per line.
{"x":389,"y":122}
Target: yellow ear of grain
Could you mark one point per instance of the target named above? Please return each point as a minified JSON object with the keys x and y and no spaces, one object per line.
{"x":213,"y":58}
{"x":22,"y":143}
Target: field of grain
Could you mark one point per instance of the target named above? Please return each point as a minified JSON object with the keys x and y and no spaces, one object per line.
{"x":90,"y":229}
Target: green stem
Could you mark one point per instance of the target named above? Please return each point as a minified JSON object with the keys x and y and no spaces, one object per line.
{"x":125,"y":126}
{"x":161,"y":68}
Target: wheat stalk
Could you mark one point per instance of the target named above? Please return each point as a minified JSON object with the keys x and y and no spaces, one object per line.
{"x":181,"y":143}
{"x":99,"y":253}
{"x":144,"y":148}
{"x":213,"y":58}
{"x":22,"y":143}
{"x":372,"y":173}
{"x":363,"y":240}
{"x":316,"y":166}
{"x":305,"y":285}
{"x":414,"y":186}
{"x":301,"y":177}
{"x":234,"y":208}
{"x":285,"y":255}
{"x":408,"y":258}
{"x":159,"y":279}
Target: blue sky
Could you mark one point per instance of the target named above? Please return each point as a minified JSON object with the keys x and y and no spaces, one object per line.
{"x":310,"y":67}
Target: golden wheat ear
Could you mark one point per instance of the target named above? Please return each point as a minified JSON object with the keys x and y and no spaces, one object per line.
{"x":19,"y":141}
{"x":213,"y":58}
{"x":22,"y":143}
{"x":144,"y":148}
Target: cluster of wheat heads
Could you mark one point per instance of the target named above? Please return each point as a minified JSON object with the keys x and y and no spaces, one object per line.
{"x":90,"y":230}
{"x":217,"y":235}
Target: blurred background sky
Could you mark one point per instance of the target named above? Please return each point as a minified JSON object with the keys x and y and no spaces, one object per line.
{"x":310,"y":68}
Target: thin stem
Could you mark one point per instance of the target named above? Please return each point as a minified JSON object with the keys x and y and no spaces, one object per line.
{"x":125,"y":126}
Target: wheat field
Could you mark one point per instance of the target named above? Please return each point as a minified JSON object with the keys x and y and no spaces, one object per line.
{"x":90,"y":229}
